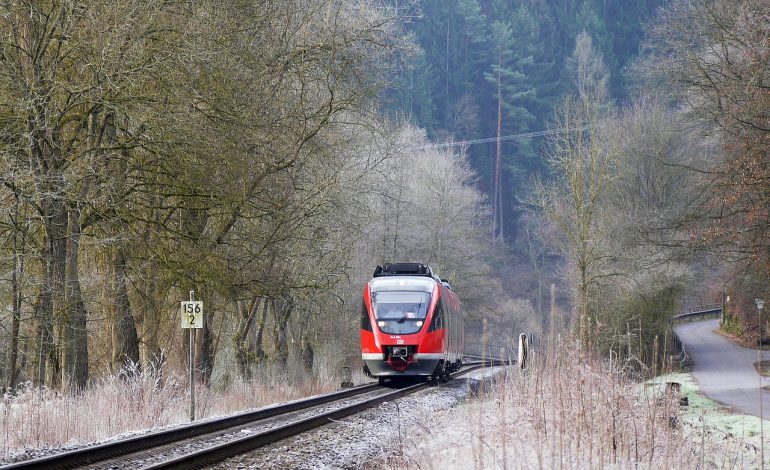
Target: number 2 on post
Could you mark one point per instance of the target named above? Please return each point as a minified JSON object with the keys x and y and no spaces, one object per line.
{"x":192,"y":314}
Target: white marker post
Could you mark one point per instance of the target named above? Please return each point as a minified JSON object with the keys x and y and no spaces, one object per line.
{"x":523,"y":351}
{"x":192,"y":319}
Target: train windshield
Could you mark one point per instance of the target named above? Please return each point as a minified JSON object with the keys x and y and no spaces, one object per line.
{"x":400,"y":312}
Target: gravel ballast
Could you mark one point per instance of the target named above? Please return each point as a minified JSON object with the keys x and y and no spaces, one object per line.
{"x":367,"y":440}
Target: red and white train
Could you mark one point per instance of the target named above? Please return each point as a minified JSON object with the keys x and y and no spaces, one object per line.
{"x":411,"y":324}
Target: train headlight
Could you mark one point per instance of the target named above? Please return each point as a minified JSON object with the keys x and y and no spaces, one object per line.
{"x":380,"y":323}
{"x":419,"y":324}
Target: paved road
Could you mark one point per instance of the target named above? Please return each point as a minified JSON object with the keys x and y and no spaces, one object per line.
{"x":724,"y":370}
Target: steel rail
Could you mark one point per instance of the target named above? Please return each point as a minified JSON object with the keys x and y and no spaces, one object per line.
{"x":220,"y":452}
{"x":493,"y":361}
{"x":101,"y":452}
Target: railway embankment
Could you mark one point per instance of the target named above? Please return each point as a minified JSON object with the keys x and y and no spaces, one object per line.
{"x":384,"y":422}
{"x":36,"y":423}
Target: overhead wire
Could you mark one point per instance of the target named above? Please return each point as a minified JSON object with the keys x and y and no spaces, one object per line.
{"x":525,"y":135}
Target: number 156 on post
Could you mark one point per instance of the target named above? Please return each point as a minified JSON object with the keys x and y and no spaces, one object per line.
{"x":192,"y":314}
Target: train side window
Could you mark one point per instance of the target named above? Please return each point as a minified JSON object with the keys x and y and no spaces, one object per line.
{"x":366,"y":323}
{"x":438,"y":317}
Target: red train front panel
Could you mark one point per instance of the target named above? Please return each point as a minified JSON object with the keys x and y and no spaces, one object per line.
{"x":399,"y":334}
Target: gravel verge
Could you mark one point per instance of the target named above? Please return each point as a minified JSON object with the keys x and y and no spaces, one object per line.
{"x":370,"y":439}
{"x":175,"y":450}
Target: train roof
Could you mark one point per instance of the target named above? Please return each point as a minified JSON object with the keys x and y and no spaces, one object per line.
{"x":403,"y":269}
{"x":392,"y":283}
{"x":411,"y":276}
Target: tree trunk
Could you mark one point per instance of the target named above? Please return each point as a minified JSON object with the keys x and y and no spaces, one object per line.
{"x":75,"y":339}
{"x":125,"y":342}
{"x":447,"y":100}
{"x":56,"y":286}
{"x":248,"y":336}
{"x":203,"y":342}
{"x":583,"y":308}
{"x":282,"y":311}
{"x":44,"y":342}
{"x":150,"y":324}
{"x":16,"y":294}
{"x":255,"y":345}
{"x":206,"y":352}
{"x":306,"y":351}
{"x":13,"y":370}
{"x":497,"y":223}
{"x":308,"y":354}
{"x":51,"y":304}
{"x":47,"y":164}
{"x":245,"y":324}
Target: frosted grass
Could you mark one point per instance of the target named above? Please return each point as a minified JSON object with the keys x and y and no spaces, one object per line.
{"x":38,"y":419}
{"x":568,"y":413}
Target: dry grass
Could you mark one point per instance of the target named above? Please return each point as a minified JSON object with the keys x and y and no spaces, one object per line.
{"x":567,"y":413}
{"x":35,"y":418}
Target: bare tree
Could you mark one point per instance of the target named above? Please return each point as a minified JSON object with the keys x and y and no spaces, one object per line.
{"x":581,"y":156}
{"x":64,"y":66}
{"x":590,"y":76}
{"x":714,"y":57}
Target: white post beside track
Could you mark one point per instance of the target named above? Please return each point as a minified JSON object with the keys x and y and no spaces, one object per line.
{"x":192,"y":319}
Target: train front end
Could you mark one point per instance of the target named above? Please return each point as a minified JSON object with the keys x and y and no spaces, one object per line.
{"x":400,"y":336}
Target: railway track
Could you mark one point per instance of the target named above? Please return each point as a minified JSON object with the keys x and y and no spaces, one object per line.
{"x":212,"y":441}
